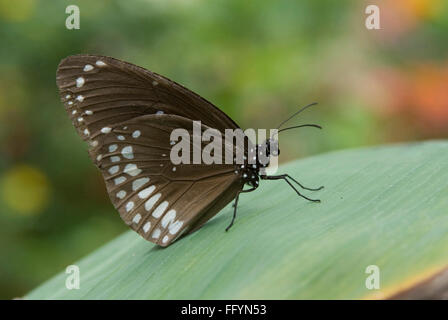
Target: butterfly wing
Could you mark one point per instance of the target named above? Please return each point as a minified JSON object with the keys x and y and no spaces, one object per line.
{"x":157,"y":199}
{"x":126,"y":111}
{"x":100,"y":91}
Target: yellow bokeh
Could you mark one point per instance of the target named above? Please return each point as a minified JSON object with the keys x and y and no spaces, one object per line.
{"x":25,"y":189}
{"x":422,"y":8}
{"x":16,"y":10}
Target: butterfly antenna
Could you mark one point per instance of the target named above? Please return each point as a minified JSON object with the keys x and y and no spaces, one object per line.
{"x":296,"y":113}
{"x":299,"y":126}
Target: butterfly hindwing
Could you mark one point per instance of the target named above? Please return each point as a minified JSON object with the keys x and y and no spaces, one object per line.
{"x":156,"y":198}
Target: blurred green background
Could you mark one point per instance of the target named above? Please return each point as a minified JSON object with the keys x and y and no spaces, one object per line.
{"x":257,"y":60}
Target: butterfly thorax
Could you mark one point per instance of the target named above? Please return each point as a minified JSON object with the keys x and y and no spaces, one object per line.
{"x":249,"y":174}
{"x":251,"y":171}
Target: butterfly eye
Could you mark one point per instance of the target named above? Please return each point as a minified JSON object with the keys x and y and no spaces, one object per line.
{"x":272,"y":146}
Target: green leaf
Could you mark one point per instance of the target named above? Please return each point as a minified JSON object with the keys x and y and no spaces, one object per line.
{"x":384,"y":206}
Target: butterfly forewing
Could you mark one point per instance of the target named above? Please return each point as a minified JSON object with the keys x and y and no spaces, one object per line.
{"x":101,"y":91}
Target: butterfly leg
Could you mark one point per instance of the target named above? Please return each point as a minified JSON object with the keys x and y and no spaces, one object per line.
{"x":235,"y":205}
{"x":302,"y":186}
{"x":285,"y":177}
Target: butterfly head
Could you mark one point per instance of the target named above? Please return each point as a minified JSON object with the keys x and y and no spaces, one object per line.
{"x":265,"y":150}
{"x":272,"y":149}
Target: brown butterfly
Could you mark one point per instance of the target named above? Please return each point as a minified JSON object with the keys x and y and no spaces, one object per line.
{"x":126,"y":114}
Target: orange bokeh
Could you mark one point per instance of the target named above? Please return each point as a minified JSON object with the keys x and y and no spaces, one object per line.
{"x":419,"y":93}
{"x":401,"y":16}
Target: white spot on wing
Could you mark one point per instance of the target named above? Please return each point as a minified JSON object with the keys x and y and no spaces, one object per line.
{"x":106,"y":130}
{"x":137,"y":184}
{"x":113,"y":147}
{"x":168,"y":218}
{"x":146,"y":192}
{"x":175,"y":227}
{"x":157,"y":213}
{"x":114,"y":169}
{"x":80,"y":82}
{"x":136,"y":134}
{"x":137,"y":218}
{"x":150,"y":203}
{"x":165,"y":239}
{"x":121,"y":194}
{"x":120,"y":137}
{"x":147,"y":226}
{"x":132,"y":170}
{"x":80,"y":98}
{"x":114,"y":159}
{"x":89,"y":113}
{"x":100,"y":63}
{"x":129,"y":206}
{"x":156,"y":233}
{"x":119,"y":180}
{"x":88,"y":67}
{"x":127,"y":152}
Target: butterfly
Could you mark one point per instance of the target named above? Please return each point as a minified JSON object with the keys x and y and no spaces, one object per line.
{"x":126,"y":114}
